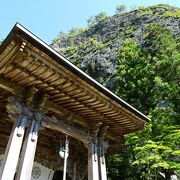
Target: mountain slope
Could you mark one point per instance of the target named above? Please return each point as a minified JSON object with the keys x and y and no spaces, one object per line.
{"x":96,"y":50}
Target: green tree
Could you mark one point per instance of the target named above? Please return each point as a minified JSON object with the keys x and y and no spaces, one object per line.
{"x":61,"y":35}
{"x":120,"y":9}
{"x":148,"y":78}
{"x":133,"y":76}
{"x":75,"y":31}
{"x":95,"y":19}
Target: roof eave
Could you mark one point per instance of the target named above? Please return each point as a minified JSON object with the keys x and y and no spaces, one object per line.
{"x":38,"y":43}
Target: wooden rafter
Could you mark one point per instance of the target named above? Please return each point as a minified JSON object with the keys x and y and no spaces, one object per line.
{"x":15,"y":89}
{"x":69,"y":89}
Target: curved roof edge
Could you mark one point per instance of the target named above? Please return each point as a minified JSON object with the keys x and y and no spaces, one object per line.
{"x":44,"y":47}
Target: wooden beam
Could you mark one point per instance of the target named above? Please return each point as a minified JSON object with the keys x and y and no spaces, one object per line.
{"x":102,"y":116}
{"x":59,"y":125}
{"x":53,"y":123}
{"x":51,"y":63}
{"x":8,"y":57}
{"x":15,"y":89}
{"x":42,"y":81}
{"x":10,"y":86}
{"x":59,"y":110}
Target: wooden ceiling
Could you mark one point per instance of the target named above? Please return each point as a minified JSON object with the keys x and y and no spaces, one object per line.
{"x":26,"y":61}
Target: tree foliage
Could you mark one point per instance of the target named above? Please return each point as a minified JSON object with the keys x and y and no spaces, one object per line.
{"x":120,"y":9}
{"x":95,"y":19}
{"x":148,"y":78}
{"x":74,"y":31}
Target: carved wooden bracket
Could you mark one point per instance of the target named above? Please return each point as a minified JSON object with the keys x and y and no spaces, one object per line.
{"x":103,"y":131}
{"x":30,"y":95}
{"x":15,"y":107}
{"x":94,"y":128}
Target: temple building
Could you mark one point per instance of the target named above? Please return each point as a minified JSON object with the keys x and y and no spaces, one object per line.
{"x":46,"y":101}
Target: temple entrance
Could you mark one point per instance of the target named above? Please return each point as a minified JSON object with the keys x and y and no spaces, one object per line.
{"x":44,"y":98}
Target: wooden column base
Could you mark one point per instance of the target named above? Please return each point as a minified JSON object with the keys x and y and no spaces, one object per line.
{"x":93,"y":168}
{"x":28,"y":152}
{"x":102,"y":164}
{"x":13,"y":148}
{"x":96,"y":161}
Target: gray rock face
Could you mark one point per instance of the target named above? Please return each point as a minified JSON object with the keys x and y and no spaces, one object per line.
{"x":96,"y":50}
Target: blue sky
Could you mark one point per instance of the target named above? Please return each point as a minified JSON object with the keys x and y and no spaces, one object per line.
{"x":47,"y":18}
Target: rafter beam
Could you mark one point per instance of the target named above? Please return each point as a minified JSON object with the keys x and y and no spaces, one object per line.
{"x":50,"y":122}
{"x":67,"y":114}
{"x":10,"y":86}
{"x":42,"y":81}
{"x":8,"y":57}
{"x":59,"y":125}
{"x":15,"y":89}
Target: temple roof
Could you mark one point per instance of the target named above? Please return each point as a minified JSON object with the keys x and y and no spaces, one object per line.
{"x":73,"y":96}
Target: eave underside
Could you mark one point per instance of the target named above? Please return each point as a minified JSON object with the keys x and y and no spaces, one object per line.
{"x":32,"y":68}
{"x":69,"y":99}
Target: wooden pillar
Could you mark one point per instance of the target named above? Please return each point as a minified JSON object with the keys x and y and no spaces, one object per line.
{"x":93,"y":168}
{"x":66,"y":154}
{"x":28,"y":152}
{"x":102,"y":162}
{"x":74,"y":172}
{"x":13,"y":148}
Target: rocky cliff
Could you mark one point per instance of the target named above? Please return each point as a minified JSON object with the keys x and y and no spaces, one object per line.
{"x":95,"y":50}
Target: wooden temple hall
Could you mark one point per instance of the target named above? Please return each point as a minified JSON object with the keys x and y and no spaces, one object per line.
{"x":49,"y":107}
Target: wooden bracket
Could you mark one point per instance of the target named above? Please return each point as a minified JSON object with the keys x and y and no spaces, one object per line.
{"x":94,"y":130}
{"x":40,"y":100}
{"x":30,"y":95}
{"x":103,"y":131}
